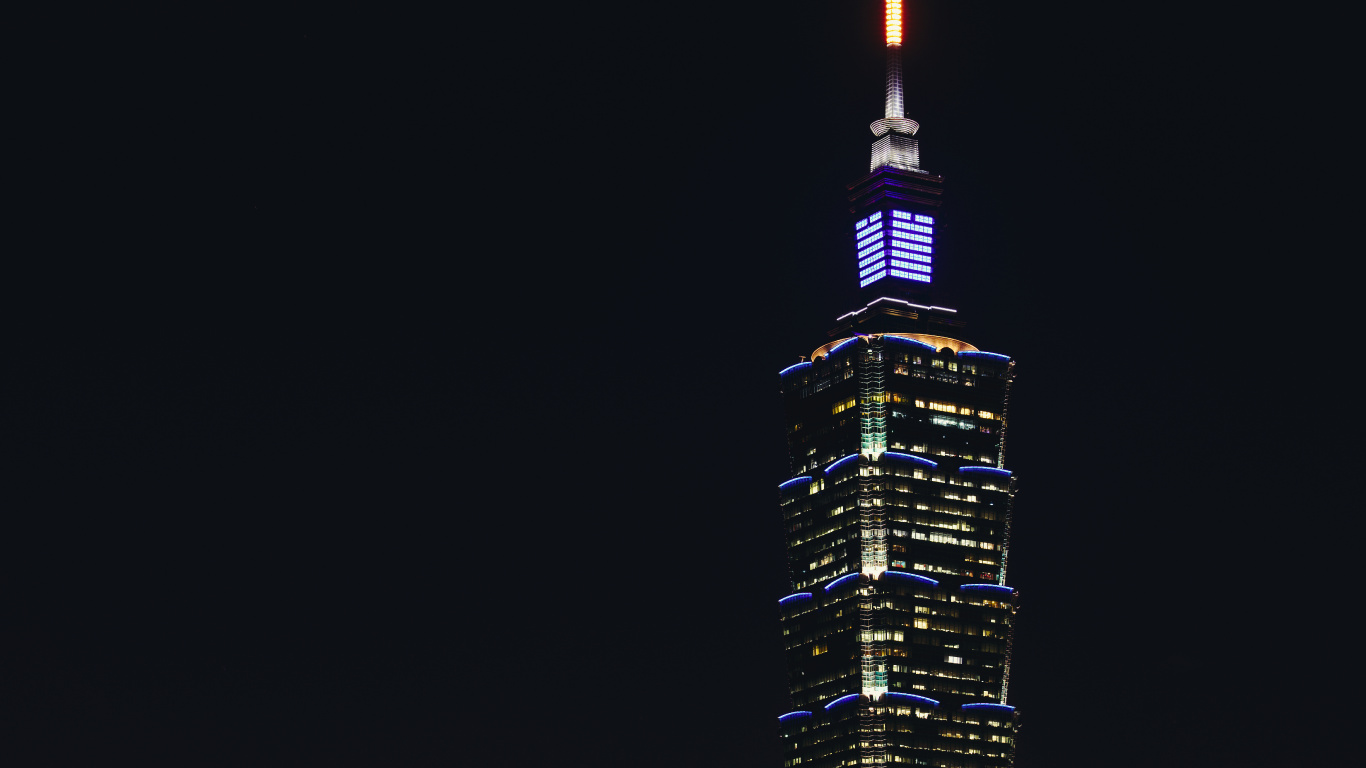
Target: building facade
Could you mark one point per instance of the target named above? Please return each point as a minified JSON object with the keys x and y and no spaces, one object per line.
{"x":897,"y":510}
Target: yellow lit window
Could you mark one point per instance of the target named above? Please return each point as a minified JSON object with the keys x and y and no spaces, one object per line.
{"x":922,"y":623}
{"x":843,"y":406}
{"x":943,"y":407}
{"x":819,"y":649}
{"x":965,"y":411}
{"x":919,"y":403}
{"x":987,"y":414}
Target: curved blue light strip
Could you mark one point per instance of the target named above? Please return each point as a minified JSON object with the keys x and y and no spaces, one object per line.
{"x":992,"y":470}
{"x":924,"y":461}
{"x":915,"y":576}
{"x":831,"y":468}
{"x":790,"y":715}
{"x":984,"y":354}
{"x":795,"y":596}
{"x":841,"y":345}
{"x":989,"y":588}
{"x":925,"y":699}
{"x":784,"y":371}
{"x":1004,"y":707}
{"x":793,"y":480}
{"x":840,"y":581}
{"x":841,"y":700}
{"x":905,"y":340}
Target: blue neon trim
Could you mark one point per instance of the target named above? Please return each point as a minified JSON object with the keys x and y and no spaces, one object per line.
{"x":784,"y":371}
{"x":905,"y":340}
{"x":984,"y":354}
{"x":795,"y":596}
{"x":842,"y":345}
{"x":793,"y":480}
{"x":790,"y":715}
{"x":840,"y":581}
{"x":992,"y":470}
{"x":912,"y":457}
{"x":989,"y":588}
{"x":841,"y":700}
{"x":915,"y":576}
{"x":1005,"y":707}
{"x":925,"y":699}
{"x":831,"y":468}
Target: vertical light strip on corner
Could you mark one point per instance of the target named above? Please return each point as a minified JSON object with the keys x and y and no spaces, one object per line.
{"x":872,"y":402}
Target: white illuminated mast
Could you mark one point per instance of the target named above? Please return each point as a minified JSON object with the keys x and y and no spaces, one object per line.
{"x":896,"y":145}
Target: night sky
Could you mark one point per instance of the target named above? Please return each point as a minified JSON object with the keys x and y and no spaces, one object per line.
{"x":400,"y":389}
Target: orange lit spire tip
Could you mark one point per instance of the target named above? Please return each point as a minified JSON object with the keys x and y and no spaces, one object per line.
{"x":893,"y":22}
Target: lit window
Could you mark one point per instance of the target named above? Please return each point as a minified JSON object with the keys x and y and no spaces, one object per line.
{"x":872,"y":279}
{"x":909,"y":275}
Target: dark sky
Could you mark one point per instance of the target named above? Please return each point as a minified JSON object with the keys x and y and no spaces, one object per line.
{"x":399,"y":389}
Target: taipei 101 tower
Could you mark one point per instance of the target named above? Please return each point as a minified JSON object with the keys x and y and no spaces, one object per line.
{"x":897,"y":505}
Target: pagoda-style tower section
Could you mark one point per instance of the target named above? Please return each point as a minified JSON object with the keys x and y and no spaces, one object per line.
{"x":897,"y":505}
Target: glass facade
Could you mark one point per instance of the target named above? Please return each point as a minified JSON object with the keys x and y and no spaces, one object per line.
{"x":897,"y":522}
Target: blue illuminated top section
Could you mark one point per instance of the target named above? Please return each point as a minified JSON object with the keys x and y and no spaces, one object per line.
{"x":839,"y":581}
{"x":841,"y":462}
{"x":793,"y":480}
{"x":904,"y":340}
{"x":918,"y":459}
{"x":909,"y":236}
{"x":792,"y":368}
{"x":989,"y":588}
{"x":999,"y":707}
{"x":916,"y":576}
{"x":913,"y":697}
{"x":793,"y":715}
{"x":795,"y":596}
{"x":989,"y":470}
{"x":983,"y":354}
{"x":842,"y":700}
{"x":869,"y":220}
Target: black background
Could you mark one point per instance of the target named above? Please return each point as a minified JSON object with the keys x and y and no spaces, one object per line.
{"x":398,"y":389}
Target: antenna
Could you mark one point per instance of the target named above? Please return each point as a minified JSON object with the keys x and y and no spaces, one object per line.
{"x":900,"y":149}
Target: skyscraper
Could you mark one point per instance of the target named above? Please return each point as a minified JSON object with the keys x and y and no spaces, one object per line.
{"x":897,"y":511}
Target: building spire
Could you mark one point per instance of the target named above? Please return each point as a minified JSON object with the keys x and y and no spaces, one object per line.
{"x":896,"y":145}
{"x":894,"y":104}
